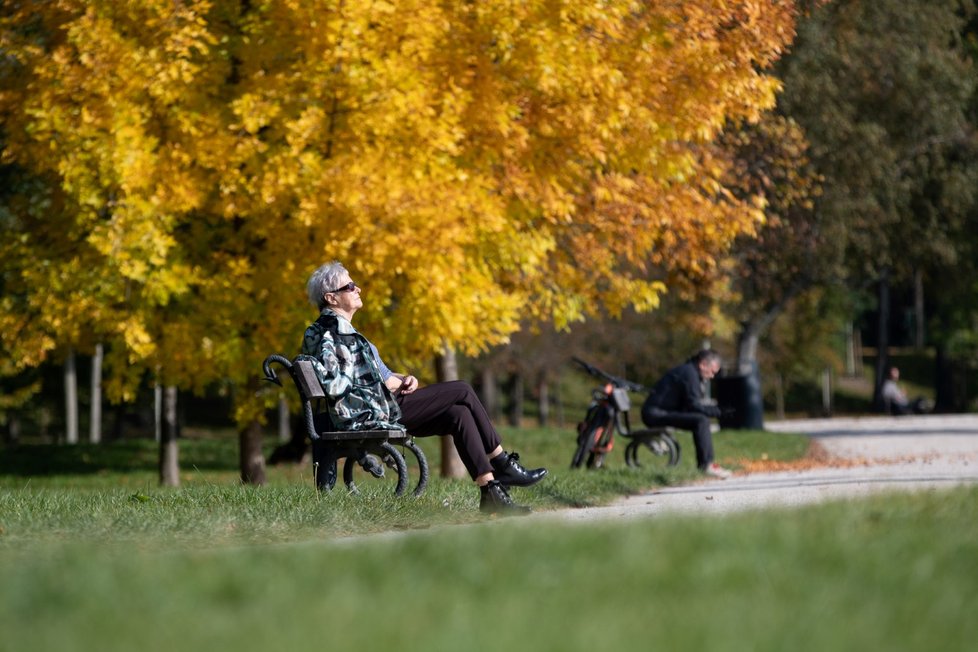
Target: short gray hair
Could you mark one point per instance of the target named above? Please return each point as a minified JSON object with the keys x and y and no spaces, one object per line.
{"x":324,"y":279}
{"x":707,"y":354}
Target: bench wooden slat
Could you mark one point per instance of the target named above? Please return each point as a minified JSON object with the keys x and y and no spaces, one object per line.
{"x":307,"y":379}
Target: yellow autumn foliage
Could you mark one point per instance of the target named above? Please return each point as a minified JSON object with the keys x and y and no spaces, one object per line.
{"x":475,"y":165}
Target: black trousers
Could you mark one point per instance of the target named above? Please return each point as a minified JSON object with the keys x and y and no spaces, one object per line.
{"x":452,"y":408}
{"x":695,"y":422}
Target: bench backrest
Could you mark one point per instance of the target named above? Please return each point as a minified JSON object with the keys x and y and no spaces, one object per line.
{"x":306,"y":380}
{"x":314,"y":401}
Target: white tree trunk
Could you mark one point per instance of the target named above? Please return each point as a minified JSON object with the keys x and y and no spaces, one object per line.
{"x":747,"y":343}
{"x":158,"y":412}
{"x":827,"y":391}
{"x":71,"y":399}
{"x":95,"y":420}
{"x":850,"y":350}
{"x":13,"y":429}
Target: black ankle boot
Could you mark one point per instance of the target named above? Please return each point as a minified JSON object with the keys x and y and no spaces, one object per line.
{"x":495,"y":500}
{"x":510,"y":473}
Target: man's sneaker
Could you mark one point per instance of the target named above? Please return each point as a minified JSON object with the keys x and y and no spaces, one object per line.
{"x":714,"y":470}
{"x":495,"y":500}
{"x":509,"y":472}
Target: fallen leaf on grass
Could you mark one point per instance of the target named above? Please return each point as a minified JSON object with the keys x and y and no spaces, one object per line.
{"x":818,"y":458}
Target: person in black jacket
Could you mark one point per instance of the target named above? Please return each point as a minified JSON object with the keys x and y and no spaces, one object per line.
{"x":677,"y":401}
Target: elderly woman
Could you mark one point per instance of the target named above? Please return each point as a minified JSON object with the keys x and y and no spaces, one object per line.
{"x":364,"y":394}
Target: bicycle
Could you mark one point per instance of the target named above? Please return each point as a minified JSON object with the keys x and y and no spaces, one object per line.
{"x":608,"y":414}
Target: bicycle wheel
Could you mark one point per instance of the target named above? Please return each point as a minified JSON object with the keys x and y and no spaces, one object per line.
{"x":385,"y":455}
{"x":601,"y":447}
{"x":663,"y":448}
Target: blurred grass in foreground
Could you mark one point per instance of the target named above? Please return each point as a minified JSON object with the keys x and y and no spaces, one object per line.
{"x":95,"y":556}
{"x":896,"y":572}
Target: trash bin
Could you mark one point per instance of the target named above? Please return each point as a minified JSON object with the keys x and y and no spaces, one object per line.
{"x":739,"y":399}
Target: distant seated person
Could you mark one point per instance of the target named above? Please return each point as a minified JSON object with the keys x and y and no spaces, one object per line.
{"x":364,"y":392}
{"x":895,"y":400}
{"x":677,"y":401}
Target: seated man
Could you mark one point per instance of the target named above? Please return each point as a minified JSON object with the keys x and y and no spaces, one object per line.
{"x":364,"y":393}
{"x":677,"y":401}
{"x":895,"y":399}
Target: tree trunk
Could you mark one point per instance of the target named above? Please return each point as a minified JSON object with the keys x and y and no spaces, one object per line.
{"x":251,"y":459}
{"x":284,"y":422}
{"x":543,"y":390}
{"x":558,"y":403}
{"x":44,"y":424}
{"x":446,"y":369}
{"x":158,"y":411}
{"x":169,"y":461}
{"x":827,"y":392}
{"x":779,"y":395}
{"x":516,"y":400}
{"x":747,"y":341}
{"x":488,"y":394}
{"x":95,"y":420}
{"x":850,"y":350}
{"x":918,"y":308}
{"x":291,"y":448}
{"x":747,"y":399}
{"x":13,"y":429}
{"x":882,"y":339}
{"x":71,"y":399}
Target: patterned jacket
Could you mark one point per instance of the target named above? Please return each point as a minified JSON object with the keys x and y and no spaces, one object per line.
{"x":357,"y":398}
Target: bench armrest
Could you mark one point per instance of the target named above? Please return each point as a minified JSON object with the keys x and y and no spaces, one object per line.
{"x":355,"y":435}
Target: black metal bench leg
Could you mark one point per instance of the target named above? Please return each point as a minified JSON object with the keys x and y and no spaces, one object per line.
{"x":422,"y":466}
{"x":324,"y":460}
{"x":395,"y":460}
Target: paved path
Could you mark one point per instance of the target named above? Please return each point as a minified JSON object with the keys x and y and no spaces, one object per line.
{"x":873,"y":454}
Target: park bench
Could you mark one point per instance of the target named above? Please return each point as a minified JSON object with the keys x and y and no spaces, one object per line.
{"x":372,"y":450}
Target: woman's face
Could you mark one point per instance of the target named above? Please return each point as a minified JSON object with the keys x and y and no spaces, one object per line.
{"x":346,"y":301}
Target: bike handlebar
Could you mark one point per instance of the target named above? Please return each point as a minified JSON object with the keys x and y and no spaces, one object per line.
{"x":614,"y":380}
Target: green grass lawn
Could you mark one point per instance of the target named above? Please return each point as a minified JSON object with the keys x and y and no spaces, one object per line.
{"x":99,"y":558}
{"x":109,"y":492}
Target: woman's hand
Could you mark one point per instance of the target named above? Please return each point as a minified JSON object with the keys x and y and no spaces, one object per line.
{"x":408,"y":384}
{"x":402,"y":384}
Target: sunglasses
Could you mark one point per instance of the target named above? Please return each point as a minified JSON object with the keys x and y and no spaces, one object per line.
{"x":349,"y":287}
